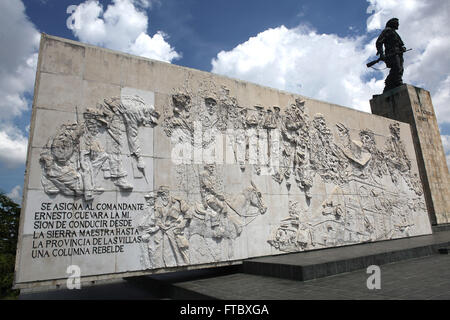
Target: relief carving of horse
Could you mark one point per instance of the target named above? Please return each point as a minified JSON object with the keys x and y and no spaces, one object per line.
{"x":239,"y":211}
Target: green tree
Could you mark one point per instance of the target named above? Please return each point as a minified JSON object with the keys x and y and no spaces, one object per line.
{"x":9,"y":228}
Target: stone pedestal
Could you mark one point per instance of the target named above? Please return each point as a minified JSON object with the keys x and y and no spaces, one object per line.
{"x":413,"y":105}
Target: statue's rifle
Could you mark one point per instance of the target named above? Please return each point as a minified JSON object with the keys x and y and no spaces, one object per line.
{"x":371,"y":63}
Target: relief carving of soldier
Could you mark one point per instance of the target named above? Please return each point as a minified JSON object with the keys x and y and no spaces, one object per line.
{"x":376,"y":167}
{"x":295,"y":134}
{"x":129,"y":112}
{"x":209,"y":121}
{"x":164,"y":229}
{"x":180,"y":118}
{"x":251,"y":119}
{"x":326,"y":157}
{"x":60,"y":162}
{"x":294,"y":233}
{"x":211,"y":117}
{"x":92,"y":154}
{"x":213,"y":201}
{"x":72,"y":158}
{"x":397,"y":159}
{"x":272,"y":120}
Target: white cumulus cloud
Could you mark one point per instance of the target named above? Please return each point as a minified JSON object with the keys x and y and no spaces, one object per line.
{"x":332,"y":68}
{"x":122,"y":26}
{"x":18,"y":59}
{"x":13,"y":146}
{"x":300,"y":60}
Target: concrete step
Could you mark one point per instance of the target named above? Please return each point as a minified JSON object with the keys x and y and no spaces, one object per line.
{"x":420,"y":278}
{"x":267,"y":276}
{"x":441,"y":227}
{"x":326,"y":262}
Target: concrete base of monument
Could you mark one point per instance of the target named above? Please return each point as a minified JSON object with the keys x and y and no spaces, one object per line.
{"x":409,"y":269}
{"x":285,"y":270}
{"x":328,"y":262}
{"x":441,"y":227}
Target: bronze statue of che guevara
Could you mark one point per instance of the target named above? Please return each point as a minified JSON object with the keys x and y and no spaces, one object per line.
{"x":393,"y":53}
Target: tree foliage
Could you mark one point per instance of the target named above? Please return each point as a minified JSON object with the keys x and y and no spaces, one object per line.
{"x":9,"y":228}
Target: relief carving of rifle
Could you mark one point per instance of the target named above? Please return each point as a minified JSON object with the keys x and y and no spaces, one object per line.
{"x":383,"y":58}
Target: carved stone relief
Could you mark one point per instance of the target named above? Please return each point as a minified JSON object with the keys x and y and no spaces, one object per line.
{"x":73,"y":157}
{"x":309,"y":148}
{"x":200,"y":223}
{"x":163,"y":229}
{"x":195,"y":170}
{"x":175,"y":230}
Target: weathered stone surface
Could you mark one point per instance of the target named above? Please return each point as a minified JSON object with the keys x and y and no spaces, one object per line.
{"x":413,"y":105}
{"x":162,"y":167}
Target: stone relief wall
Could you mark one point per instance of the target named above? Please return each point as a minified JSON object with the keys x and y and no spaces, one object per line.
{"x":155,"y":173}
{"x":365,"y":204}
{"x":73,"y":158}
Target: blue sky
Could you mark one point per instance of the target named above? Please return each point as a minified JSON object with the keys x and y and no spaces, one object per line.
{"x":200,"y":29}
{"x":317,"y":48}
